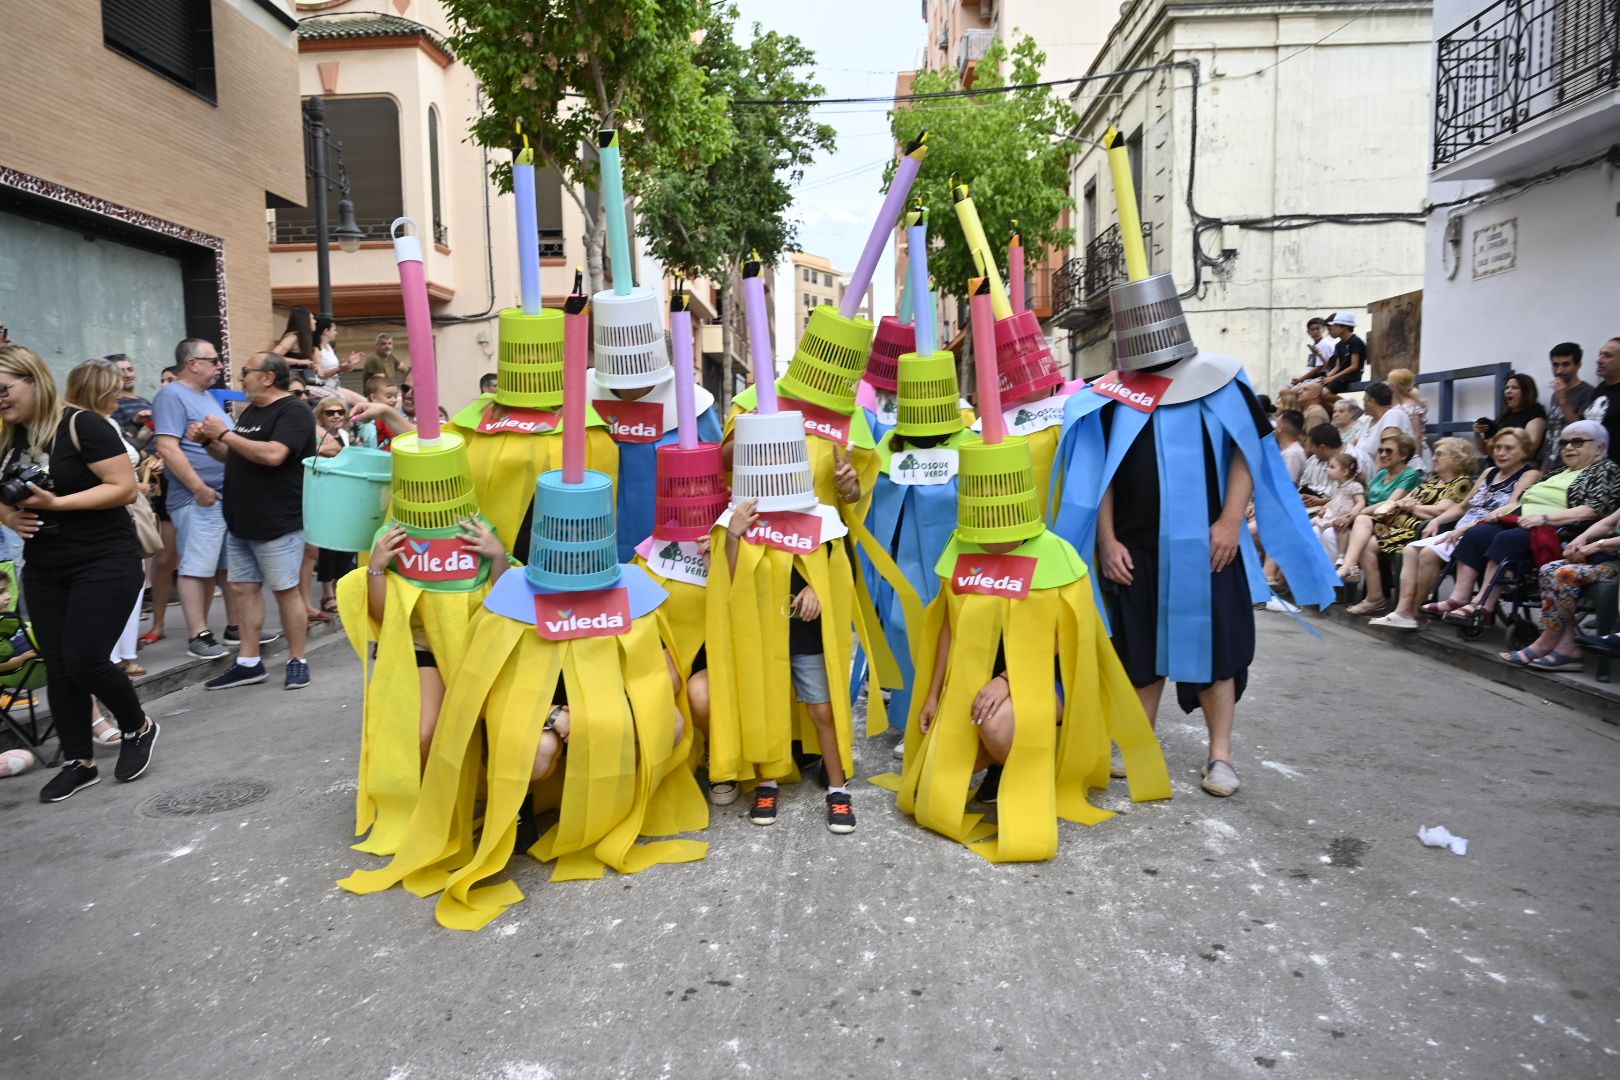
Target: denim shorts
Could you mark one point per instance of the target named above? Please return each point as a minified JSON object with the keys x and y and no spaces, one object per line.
{"x":810,"y":678}
{"x":276,"y":562}
{"x":200,"y":534}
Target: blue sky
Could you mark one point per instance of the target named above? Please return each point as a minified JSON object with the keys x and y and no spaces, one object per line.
{"x":859,"y":48}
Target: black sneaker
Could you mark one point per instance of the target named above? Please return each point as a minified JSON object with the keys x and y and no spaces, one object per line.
{"x":135,"y":752}
{"x":991,"y":788}
{"x":764,"y":808}
{"x":297,"y":674}
{"x":528,"y":830}
{"x":205,"y":647}
{"x":237,"y":675}
{"x":233,"y":636}
{"x":840,"y":814}
{"x":69,"y":779}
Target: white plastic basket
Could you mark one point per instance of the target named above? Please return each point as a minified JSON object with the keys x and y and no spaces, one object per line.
{"x":630,"y":346}
{"x":770,"y":462}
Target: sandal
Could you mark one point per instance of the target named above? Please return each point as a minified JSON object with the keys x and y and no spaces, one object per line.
{"x":151,"y":637}
{"x":108,"y":735}
{"x":1367,"y":607}
{"x":321,"y":616}
{"x":1440,"y":608}
{"x":1607,"y":644}
{"x":1522,"y":658}
{"x":131,"y":668}
{"x":330,"y":605}
{"x":1557,"y":661}
{"x":1350,"y":574}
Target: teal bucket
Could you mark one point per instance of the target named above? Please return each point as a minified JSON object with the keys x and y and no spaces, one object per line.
{"x":346,"y":498}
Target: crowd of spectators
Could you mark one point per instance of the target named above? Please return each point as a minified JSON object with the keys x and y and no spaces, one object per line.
{"x":1399,"y":510}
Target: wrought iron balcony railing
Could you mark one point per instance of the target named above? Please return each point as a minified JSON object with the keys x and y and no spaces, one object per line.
{"x":1084,"y":280}
{"x":303,"y":232}
{"x":1518,"y":61}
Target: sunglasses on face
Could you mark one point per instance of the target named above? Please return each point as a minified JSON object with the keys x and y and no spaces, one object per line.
{"x":5,"y":390}
{"x":1382,"y":450}
{"x":1577,"y":442}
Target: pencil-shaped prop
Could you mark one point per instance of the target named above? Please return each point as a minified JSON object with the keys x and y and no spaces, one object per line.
{"x":630,"y":348}
{"x":1130,"y":215}
{"x":529,"y":360}
{"x":996,"y":497}
{"x":832,"y":355}
{"x":917,"y":283}
{"x":1015,"y":270}
{"x":576,"y":331}
{"x":896,"y":336}
{"x":528,"y":227}
{"x":692,"y":490}
{"x":1025,"y":365}
{"x":984,"y":362}
{"x":770,"y":459}
{"x":418,"y":328}
{"x":928,"y":399}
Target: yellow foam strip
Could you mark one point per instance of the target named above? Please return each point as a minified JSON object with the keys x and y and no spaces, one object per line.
{"x":504,"y":468}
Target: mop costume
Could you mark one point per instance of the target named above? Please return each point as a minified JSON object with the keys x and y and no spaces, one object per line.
{"x":1163,"y":429}
{"x":1005,"y":613}
{"x":575,"y":628}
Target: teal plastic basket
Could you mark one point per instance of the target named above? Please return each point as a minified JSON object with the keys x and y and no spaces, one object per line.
{"x":573,"y":545}
{"x":346,"y":498}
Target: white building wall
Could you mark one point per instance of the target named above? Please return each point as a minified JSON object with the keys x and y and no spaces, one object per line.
{"x":1341,"y":127}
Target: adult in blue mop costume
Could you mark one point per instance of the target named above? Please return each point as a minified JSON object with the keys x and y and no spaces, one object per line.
{"x":914,"y":499}
{"x":567,"y":676}
{"x":1177,"y":427}
{"x":630,"y":385}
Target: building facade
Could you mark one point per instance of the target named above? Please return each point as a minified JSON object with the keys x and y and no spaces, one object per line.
{"x":137,"y":156}
{"x":1525,"y":182}
{"x":1279,"y":153}
{"x":400,"y":103}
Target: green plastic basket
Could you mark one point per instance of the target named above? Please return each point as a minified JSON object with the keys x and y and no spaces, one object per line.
{"x":929,"y":401}
{"x":996,"y":501}
{"x":830,"y":360}
{"x":529,"y":367}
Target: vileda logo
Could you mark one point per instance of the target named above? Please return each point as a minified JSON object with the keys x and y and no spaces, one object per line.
{"x":516,"y":421}
{"x":993,"y":575}
{"x":787,"y":531}
{"x":632,"y":421}
{"x":436,"y":560}
{"x":818,"y":421}
{"x":1141,"y":390}
{"x":598,"y":613}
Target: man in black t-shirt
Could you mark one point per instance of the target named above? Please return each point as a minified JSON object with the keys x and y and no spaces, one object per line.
{"x":1349,"y":363}
{"x":1605,"y":405}
{"x":264,"y":470}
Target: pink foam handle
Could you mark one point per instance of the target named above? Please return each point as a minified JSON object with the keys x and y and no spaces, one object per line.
{"x":759,"y":345}
{"x":894,"y":203}
{"x":419,"y":328}
{"x":1015,"y":276}
{"x":680,"y":335}
{"x":991,"y":422}
{"x":576,"y":345}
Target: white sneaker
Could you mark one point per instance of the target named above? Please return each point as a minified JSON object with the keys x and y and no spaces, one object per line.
{"x":723,"y":793}
{"x":899,"y":750}
{"x":1277,"y":603}
{"x":1394,"y":622}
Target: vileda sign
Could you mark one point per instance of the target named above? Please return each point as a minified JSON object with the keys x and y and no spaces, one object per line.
{"x":993,"y":575}
{"x":632,"y":421}
{"x":598,"y":613}
{"x":445,"y":559}
{"x":499,"y":421}
{"x":821,"y":422}
{"x":1141,"y":390}
{"x":788,"y":531}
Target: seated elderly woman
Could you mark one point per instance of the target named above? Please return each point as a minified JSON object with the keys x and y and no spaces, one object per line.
{"x":1588,"y":559}
{"x":1498,"y":487}
{"x":1585,"y":489}
{"x":1394,"y":479}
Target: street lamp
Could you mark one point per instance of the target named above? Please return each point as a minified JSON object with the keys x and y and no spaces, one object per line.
{"x":348,"y":233}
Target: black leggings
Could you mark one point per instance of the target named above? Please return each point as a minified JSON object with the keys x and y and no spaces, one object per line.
{"x":93,"y":598}
{"x":331,"y":565}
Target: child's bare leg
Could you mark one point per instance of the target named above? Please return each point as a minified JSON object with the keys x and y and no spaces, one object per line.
{"x":432,"y":690}
{"x":827,"y":735}
{"x":697,"y":696}
{"x":996,"y":733}
{"x":549,"y":752}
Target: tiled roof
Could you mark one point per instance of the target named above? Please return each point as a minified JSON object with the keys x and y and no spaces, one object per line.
{"x":336,"y":27}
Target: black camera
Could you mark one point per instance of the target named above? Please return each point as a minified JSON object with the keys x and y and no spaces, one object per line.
{"x":17,"y":476}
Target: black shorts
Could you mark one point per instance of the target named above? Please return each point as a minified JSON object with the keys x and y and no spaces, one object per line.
{"x":1134,"y":612}
{"x":424,"y":659}
{"x":160,"y":506}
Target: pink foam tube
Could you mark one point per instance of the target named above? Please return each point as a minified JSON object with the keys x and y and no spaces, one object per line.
{"x":576,"y":344}
{"x":419,"y":328}
{"x":1015,"y":276}
{"x":680,"y":335}
{"x":894,"y":203}
{"x":991,"y":423}
{"x":759,"y":345}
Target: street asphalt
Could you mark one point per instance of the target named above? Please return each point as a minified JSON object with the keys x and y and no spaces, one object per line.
{"x":1298,"y":929}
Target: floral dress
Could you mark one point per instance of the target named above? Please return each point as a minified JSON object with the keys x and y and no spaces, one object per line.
{"x":1402,"y":528}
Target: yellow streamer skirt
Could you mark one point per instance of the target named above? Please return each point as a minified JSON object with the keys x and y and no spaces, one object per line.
{"x":504,"y":468}
{"x":1051,"y":766}
{"x":680,"y":624}
{"x":390,"y":736}
{"x":621,"y":773}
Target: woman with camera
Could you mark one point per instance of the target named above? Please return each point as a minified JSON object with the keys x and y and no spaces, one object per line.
{"x":65,"y":485}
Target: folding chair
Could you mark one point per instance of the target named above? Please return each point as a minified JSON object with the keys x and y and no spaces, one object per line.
{"x":18,"y":689}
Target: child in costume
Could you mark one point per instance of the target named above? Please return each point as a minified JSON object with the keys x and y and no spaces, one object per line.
{"x":1176,"y":427}
{"x":1010,"y":592}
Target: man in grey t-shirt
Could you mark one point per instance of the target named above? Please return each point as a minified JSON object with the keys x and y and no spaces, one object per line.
{"x":196,"y":484}
{"x":1567,"y":400}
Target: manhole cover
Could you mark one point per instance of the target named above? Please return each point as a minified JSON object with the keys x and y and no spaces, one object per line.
{"x":213,"y":797}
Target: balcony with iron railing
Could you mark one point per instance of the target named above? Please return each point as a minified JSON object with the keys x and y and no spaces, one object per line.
{"x":1525,"y":83}
{"x":1080,"y":286}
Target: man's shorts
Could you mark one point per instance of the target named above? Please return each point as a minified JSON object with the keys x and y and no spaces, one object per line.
{"x":200,"y":535}
{"x":810,"y":678}
{"x":275,"y":563}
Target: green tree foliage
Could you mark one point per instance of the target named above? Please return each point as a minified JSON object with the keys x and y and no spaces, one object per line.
{"x":706,"y":221}
{"x":567,"y":68}
{"x":1004,"y":147}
